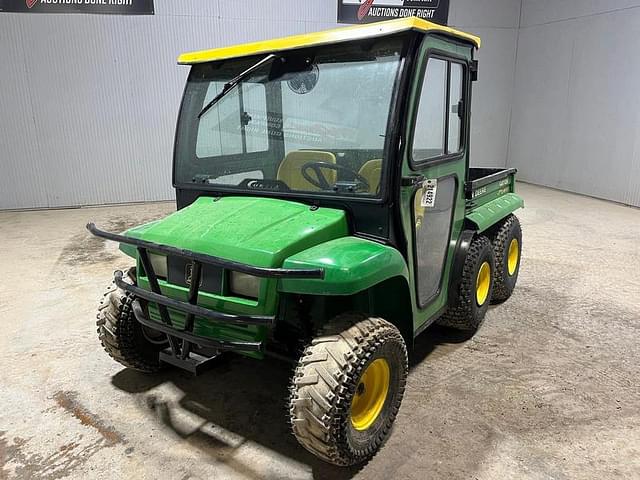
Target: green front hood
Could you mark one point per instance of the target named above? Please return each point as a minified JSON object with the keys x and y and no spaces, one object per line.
{"x":257,"y":231}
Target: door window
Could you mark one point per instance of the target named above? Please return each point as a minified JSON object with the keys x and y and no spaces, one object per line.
{"x":438,"y":124}
{"x":432,"y":224}
{"x":428,"y":140}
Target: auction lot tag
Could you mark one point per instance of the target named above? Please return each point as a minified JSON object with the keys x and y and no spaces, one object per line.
{"x":429,"y":188}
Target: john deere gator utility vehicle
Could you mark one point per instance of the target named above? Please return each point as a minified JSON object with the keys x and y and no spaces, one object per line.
{"x":327,"y":214}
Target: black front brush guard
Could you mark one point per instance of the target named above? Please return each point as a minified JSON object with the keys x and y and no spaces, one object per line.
{"x":191,"y":309}
{"x":265,"y":272}
{"x":179,"y":353}
{"x":190,"y":337}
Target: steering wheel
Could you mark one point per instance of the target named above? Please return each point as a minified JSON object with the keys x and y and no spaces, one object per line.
{"x":321,"y":181}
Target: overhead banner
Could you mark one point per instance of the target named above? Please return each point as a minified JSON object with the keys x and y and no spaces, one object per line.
{"x":367,"y":11}
{"x":108,"y":7}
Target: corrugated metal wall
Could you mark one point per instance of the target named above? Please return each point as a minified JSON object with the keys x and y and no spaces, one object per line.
{"x":496,"y":21}
{"x":88,"y":102}
{"x":576,"y":113}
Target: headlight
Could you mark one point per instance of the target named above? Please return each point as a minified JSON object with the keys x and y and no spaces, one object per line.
{"x":244,"y":285}
{"x":159,"y":264}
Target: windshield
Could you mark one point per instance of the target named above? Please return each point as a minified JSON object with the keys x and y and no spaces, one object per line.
{"x":311,"y":121}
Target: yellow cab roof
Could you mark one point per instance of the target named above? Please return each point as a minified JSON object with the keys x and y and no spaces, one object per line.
{"x":342,"y":34}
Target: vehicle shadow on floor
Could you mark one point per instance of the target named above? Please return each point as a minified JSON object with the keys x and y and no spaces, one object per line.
{"x":435,"y":336}
{"x":240,"y":407}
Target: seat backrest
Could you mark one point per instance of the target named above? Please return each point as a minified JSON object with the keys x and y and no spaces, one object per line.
{"x":371,"y":171}
{"x":290,"y":169}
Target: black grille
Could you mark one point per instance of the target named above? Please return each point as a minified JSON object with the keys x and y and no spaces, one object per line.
{"x":179,"y":273}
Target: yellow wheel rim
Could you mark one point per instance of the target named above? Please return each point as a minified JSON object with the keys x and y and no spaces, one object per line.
{"x":482,"y":283}
{"x":513,"y":256}
{"x":370,"y":395}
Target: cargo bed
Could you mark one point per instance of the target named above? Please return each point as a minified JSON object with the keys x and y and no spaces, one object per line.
{"x":489,"y":192}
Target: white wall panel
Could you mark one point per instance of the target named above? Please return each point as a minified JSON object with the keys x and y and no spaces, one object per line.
{"x":21,"y":178}
{"x":633,"y":188}
{"x":485,"y":13}
{"x":492,"y":95}
{"x":314,"y":11}
{"x":536,"y":12}
{"x":496,"y":22}
{"x":576,"y":119}
{"x":539,"y":104}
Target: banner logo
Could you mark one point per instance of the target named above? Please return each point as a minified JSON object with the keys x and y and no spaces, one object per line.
{"x":367,"y":11}
{"x":30,"y":3}
{"x":363,"y":10}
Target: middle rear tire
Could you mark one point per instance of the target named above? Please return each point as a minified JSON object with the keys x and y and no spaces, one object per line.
{"x":476,"y":286}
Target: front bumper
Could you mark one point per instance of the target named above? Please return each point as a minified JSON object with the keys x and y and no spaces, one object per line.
{"x":195,"y":310}
{"x":182,"y":340}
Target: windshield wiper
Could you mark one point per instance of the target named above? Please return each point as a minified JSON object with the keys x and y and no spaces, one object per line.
{"x":235,"y":81}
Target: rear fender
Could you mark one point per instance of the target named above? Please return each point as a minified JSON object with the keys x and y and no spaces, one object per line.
{"x":484,"y":216}
{"x":462,"y":248}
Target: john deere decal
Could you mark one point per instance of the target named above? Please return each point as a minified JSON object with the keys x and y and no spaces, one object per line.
{"x":366,"y":11}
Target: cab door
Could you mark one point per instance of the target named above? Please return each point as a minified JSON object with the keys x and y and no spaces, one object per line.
{"x":434,"y":169}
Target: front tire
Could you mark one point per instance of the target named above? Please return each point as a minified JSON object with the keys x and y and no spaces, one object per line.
{"x":122,"y":336}
{"x":347,"y":389}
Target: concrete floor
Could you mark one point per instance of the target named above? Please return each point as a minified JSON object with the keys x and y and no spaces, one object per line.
{"x":548,"y":389}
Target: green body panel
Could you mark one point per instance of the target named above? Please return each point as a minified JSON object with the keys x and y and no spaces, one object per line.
{"x":137,"y":232}
{"x":351,"y":265}
{"x":489,"y":213}
{"x":128,"y":250}
{"x":256,"y":231}
{"x":253,"y":230}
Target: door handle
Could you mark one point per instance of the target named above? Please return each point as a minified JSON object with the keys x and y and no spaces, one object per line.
{"x":412,"y":180}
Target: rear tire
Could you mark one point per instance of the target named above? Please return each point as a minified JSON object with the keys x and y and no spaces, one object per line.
{"x":474,"y":292}
{"x":347,"y":389}
{"x":121,"y":334}
{"x":507,"y":247}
